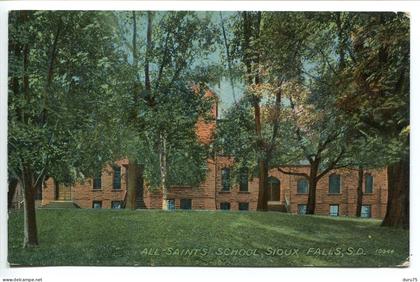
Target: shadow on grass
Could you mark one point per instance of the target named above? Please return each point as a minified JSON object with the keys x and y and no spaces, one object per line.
{"x":107,"y":237}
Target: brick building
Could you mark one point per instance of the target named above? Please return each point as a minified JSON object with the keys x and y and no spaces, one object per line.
{"x":336,"y":191}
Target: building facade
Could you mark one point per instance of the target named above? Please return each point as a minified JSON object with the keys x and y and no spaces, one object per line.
{"x":336,"y":192}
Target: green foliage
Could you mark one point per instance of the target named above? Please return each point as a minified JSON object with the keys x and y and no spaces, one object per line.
{"x":174,"y":117}
{"x":347,"y":76}
{"x":235,"y":136}
{"x":64,"y":123}
{"x":178,"y":66}
{"x":376,"y":89}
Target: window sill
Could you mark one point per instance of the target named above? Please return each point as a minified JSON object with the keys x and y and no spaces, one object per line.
{"x":180,"y":186}
{"x":334,"y":194}
{"x":244,"y":192}
{"x":96,"y":190}
{"x":224,"y":192}
{"x":116,"y":190}
{"x":302,"y":194}
{"x":368,"y":193}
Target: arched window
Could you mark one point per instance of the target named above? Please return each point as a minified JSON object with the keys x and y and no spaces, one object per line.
{"x":302,"y":186}
{"x":273,"y":193}
{"x":334,"y":185}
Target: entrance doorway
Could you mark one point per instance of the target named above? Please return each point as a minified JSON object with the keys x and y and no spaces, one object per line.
{"x":63,"y":192}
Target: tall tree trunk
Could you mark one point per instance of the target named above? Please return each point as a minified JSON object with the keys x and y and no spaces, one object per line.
{"x":30,"y":230}
{"x":264,"y":162}
{"x":398,"y":206}
{"x":13,"y":182}
{"x":262,"y":185}
{"x":252,"y":77}
{"x":313,"y":181}
{"x":359,"y":192}
{"x":30,"y":237}
{"x":131,"y":185}
{"x":163,"y":171}
{"x":311,"y":205}
{"x":132,"y":162}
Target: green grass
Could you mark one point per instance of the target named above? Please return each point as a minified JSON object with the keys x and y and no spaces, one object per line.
{"x":151,"y":238}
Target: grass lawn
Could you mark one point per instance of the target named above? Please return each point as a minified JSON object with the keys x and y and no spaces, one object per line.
{"x":204,"y":238}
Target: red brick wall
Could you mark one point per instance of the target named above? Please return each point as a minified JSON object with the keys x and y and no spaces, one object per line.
{"x":234,"y":196}
{"x":346,"y":199}
{"x":209,"y":194}
{"x":83,"y":194}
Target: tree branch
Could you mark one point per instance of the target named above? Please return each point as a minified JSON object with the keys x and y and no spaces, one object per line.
{"x":293,"y":173}
{"x":332,"y":165}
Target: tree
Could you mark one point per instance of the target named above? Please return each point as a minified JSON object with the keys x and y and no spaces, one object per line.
{"x":266,"y":66}
{"x":314,"y":135}
{"x":375,"y":96}
{"x":168,"y":103}
{"x":62,"y":80}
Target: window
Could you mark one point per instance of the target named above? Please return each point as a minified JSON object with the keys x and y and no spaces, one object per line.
{"x":301,"y":209}
{"x":334,"y":184}
{"x":243,"y":180}
{"x":366,"y":211}
{"x":368,"y":183}
{"x":226,"y":179}
{"x":97,"y":183}
{"x":117,"y":178}
{"x":302,"y":186}
{"x":116,"y":205}
{"x":225,"y":206}
{"x":273,"y":193}
{"x":97,"y":204}
{"x":243,"y":206}
{"x":186,"y":204}
{"x":334,"y":210}
{"x":171,"y":204}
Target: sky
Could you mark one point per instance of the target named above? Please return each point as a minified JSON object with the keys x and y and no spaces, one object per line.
{"x":223,"y":89}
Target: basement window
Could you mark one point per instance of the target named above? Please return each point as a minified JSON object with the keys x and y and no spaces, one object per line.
{"x":243,"y":206}
{"x":97,"y":204}
{"x":186,"y":204}
{"x":171,"y":204}
{"x":366,"y":211}
{"x":301,"y":208}
{"x":116,"y":205}
{"x":225,"y":206}
{"x":334,"y":210}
